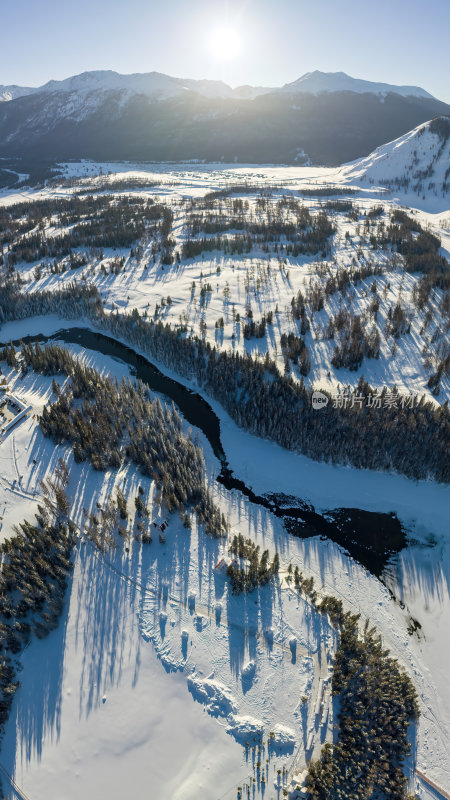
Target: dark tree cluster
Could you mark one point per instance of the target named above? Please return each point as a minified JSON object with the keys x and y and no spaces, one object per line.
{"x":111,"y":183}
{"x":74,"y":301}
{"x":343,"y":278}
{"x":423,"y":287}
{"x":443,"y":369}
{"x":327,"y":191}
{"x":105,"y":523}
{"x":213,"y":223}
{"x":21,"y":218}
{"x":341,"y":207}
{"x":354,"y":342}
{"x":377,"y":702}
{"x":231,"y":245}
{"x":254,"y":329}
{"x":375,"y":212}
{"x":316,"y":239}
{"x":302,"y":584}
{"x":419,"y":247}
{"x":294,"y":349}
{"x":299,"y":312}
{"x":106,"y":422}
{"x":36,"y":563}
{"x":285,"y":221}
{"x":397,"y":322}
{"x":95,"y":222}
{"x":237,"y":188}
{"x":250,"y":568}
{"x":440,"y":126}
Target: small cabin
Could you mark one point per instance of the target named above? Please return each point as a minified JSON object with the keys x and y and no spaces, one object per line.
{"x":223,"y":563}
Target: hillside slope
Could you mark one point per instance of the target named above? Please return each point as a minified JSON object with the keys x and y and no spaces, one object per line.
{"x":418,"y":161}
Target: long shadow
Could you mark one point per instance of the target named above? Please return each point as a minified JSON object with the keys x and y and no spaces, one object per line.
{"x":248,"y":615}
{"x":106,"y":606}
{"x":424,"y":568}
{"x":36,"y":709}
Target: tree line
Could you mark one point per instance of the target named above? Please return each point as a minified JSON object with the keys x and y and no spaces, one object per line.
{"x":36,"y":564}
{"x":411,"y":441}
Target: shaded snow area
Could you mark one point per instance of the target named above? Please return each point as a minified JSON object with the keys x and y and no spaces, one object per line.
{"x":96,"y":715}
{"x":248,"y":681}
{"x":159,"y":679}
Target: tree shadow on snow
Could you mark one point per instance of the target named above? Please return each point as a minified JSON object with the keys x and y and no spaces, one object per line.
{"x":35,"y":713}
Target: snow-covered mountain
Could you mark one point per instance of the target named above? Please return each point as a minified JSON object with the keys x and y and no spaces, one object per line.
{"x":151,"y":84}
{"x":154,"y":85}
{"x":107,"y":116}
{"x":12,"y":92}
{"x":417,"y":162}
{"x":317,"y":82}
{"x":247,"y":92}
{"x":158,"y":85}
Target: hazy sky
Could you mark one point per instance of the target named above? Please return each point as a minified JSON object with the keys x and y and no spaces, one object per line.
{"x":262,"y":42}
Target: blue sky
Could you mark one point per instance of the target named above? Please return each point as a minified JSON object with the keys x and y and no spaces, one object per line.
{"x":396,"y":41}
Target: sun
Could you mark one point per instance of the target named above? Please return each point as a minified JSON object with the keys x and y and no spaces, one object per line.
{"x":224,"y":43}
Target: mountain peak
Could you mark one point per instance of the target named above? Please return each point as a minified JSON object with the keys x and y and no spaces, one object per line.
{"x":8,"y":93}
{"x":318,"y":82}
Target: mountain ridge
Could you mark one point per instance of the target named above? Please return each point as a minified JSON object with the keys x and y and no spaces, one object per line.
{"x":153,"y":117}
{"x":159,"y":84}
{"x":317,"y":81}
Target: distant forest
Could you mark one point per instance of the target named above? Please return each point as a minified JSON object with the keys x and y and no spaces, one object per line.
{"x":411,"y":441}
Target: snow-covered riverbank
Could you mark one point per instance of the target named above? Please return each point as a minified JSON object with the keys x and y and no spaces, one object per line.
{"x":424,"y":576}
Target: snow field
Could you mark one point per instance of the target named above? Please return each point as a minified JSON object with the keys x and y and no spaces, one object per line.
{"x":98,"y":662}
{"x":339,"y":574}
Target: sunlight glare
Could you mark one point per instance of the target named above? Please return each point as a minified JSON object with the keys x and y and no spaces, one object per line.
{"x":224,"y":43}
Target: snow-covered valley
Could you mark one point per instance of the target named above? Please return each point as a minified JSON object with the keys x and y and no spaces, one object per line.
{"x":158,"y":675}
